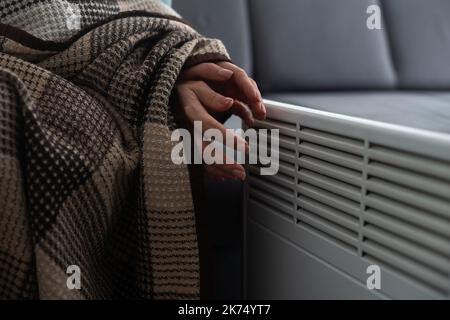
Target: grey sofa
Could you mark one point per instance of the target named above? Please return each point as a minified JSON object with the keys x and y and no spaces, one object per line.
{"x":319,"y":54}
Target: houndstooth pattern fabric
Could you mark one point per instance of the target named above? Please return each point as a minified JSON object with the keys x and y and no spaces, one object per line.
{"x":54,"y":19}
{"x":86,"y":176}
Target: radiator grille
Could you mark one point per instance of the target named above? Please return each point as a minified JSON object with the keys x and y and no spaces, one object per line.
{"x":329,"y":184}
{"x":386,"y":205}
{"x":407,"y":215}
{"x":276,"y":193}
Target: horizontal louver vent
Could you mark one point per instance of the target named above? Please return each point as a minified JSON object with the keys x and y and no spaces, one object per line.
{"x":329,"y":184}
{"x":276,"y":193}
{"x":407,"y":218}
{"x":386,"y":205}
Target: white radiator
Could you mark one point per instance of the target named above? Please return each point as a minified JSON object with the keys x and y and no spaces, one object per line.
{"x":350,"y":193}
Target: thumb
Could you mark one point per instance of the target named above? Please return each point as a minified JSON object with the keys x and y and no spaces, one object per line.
{"x":206,"y":72}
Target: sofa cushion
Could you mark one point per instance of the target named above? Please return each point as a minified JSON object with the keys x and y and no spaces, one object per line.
{"x":318,"y":44}
{"x":419,"y":33}
{"x":422,"y":110}
{"x":226,"y":20}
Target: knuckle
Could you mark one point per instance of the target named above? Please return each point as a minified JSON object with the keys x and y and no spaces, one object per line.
{"x":209,"y":66}
{"x":183,"y":85}
{"x":241,"y":72}
{"x":190,"y":110}
{"x":191,"y":83}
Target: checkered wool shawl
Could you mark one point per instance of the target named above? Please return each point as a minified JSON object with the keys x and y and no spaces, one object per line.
{"x":86,"y":176}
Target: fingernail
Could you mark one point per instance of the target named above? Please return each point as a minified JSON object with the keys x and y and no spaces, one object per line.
{"x":239,"y":174}
{"x":225,"y":73}
{"x":229,"y":101}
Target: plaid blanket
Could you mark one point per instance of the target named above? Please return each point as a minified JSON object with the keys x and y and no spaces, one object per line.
{"x":86,"y":177}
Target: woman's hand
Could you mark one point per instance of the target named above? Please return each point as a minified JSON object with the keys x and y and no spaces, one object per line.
{"x":209,"y":92}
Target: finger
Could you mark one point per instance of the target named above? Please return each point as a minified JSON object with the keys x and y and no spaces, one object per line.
{"x":195,"y":111}
{"x":236,"y":143}
{"x":226,"y":165}
{"x":210,"y":98}
{"x":243,"y":111}
{"x":226,"y":172}
{"x":249,"y":89}
{"x":257,"y":88}
{"x":207,"y":72}
{"x":215,"y":173}
{"x":230,"y":172}
{"x":262,"y":106}
{"x":243,"y":81}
